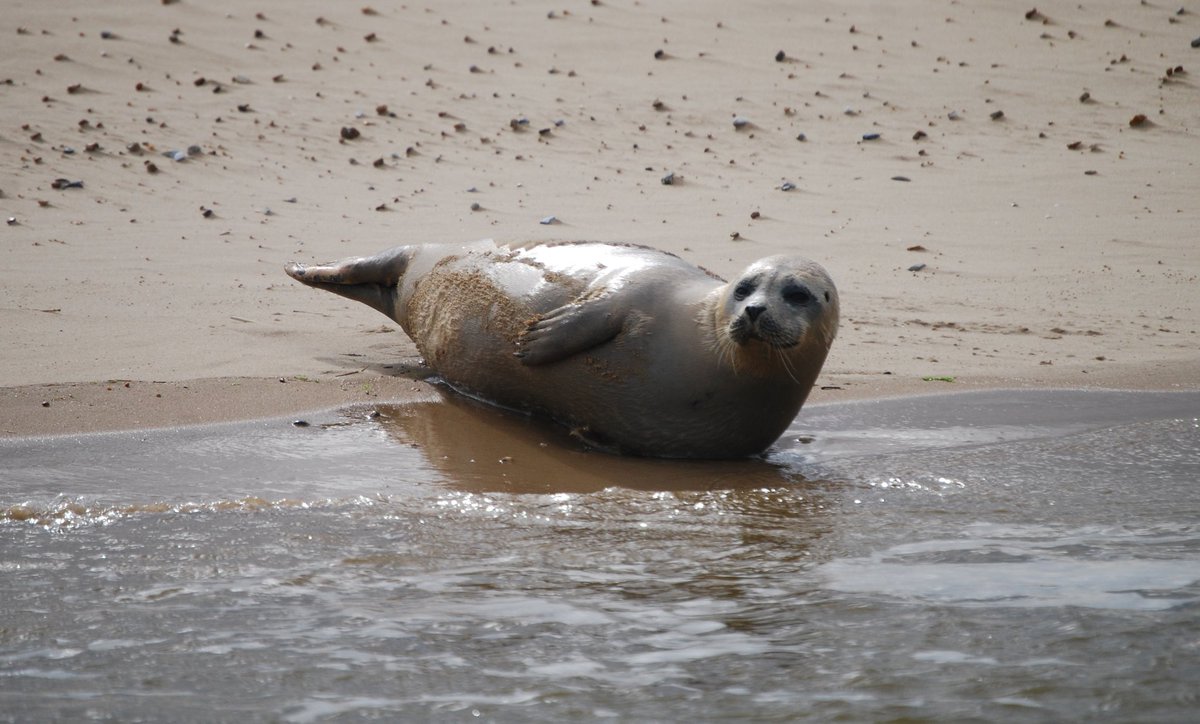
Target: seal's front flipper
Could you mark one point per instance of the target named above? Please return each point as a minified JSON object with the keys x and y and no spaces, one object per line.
{"x":371,"y":280}
{"x":570,"y":329}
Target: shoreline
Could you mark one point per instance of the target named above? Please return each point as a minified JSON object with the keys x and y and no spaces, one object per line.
{"x":59,"y":409}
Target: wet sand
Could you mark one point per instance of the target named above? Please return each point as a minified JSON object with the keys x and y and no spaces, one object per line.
{"x":86,"y":407}
{"x":1006,"y":154}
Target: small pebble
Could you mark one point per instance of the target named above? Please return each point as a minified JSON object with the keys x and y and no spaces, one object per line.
{"x":755,"y":214}
{"x":475,"y":206}
{"x":69,"y":150}
{"x":736,"y":235}
{"x":151,"y":168}
{"x":997,"y":115}
{"x":660,"y":54}
{"x":1085,"y":97}
{"x":916,"y":267}
{"x":1138,"y":120}
{"x":290,"y":200}
{"x":194,"y":150}
{"x":919,"y":135}
{"x":300,"y":423}
{"x":244,"y":107}
{"x":1196,"y":43}
{"x":901,"y":178}
{"x":780,"y":57}
{"x":787,"y":186}
{"x":175,"y":155}
{"x":549,"y":220}
{"x":206,"y":213}
{"x":669,"y":179}
{"x":12,"y":221}
{"x":62,"y":183}
{"x":739,"y":122}
{"x":802,"y":137}
{"x":870,"y":137}
{"x":108,"y":35}
{"x":350,"y":133}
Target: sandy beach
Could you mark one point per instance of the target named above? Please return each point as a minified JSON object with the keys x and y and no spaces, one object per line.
{"x":1006,"y":197}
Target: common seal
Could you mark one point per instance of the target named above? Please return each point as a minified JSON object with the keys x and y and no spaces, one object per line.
{"x":634,"y":349}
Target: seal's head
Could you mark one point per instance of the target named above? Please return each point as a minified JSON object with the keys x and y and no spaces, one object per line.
{"x":779,"y":308}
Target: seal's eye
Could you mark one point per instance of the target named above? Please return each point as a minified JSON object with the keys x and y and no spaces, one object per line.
{"x":797,"y":295}
{"x":742,"y":291}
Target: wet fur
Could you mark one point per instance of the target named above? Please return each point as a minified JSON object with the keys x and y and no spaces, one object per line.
{"x":635,"y":350}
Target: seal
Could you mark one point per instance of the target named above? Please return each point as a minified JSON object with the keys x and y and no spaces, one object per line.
{"x":635,"y":350}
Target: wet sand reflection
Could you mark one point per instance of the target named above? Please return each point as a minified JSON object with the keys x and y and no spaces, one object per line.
{"x":480,"y":448}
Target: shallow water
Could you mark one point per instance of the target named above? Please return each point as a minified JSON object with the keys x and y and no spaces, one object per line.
{"x":1000,"y":556}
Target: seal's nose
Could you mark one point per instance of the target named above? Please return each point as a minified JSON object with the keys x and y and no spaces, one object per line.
{"x":754,"y":310}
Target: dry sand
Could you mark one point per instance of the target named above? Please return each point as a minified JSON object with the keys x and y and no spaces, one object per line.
{"x":1061,"y":243}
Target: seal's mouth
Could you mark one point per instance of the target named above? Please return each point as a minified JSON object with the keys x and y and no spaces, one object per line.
{"x":763,"y":330}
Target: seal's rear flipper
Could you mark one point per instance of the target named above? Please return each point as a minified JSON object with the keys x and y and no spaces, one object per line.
{"x":371,"y":280}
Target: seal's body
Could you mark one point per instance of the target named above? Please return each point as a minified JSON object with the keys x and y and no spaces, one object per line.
{"x":634,"y":349}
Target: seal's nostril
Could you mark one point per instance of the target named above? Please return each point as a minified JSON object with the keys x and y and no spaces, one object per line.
{"x":753,"y":311}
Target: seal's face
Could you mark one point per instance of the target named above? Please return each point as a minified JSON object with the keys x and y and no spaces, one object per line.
{"x":781,"y":303}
